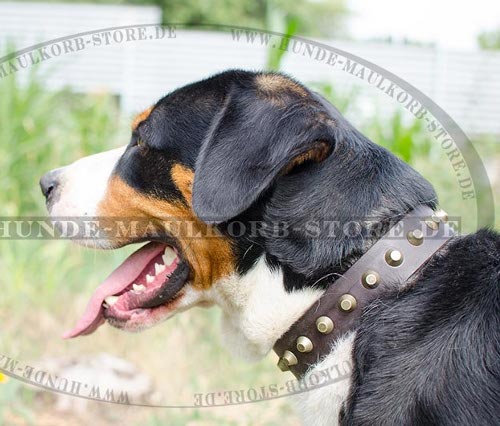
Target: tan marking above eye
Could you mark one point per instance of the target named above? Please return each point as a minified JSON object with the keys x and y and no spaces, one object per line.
{"x":208,"y":253}
{"x":141,"y":117}
{"x":275,"y":83}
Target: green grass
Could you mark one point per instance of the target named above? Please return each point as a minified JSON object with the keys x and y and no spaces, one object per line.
{"x":41,"y":130}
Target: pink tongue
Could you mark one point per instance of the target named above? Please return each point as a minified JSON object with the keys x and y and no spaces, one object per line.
{"x":118,"y":281}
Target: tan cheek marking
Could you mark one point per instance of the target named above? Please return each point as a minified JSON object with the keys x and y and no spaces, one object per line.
{"x":209,"y":254}
{"x":141,"y":117}
{"x":183,"y":178}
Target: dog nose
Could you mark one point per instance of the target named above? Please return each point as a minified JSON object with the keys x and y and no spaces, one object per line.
{"x":49,"y":182}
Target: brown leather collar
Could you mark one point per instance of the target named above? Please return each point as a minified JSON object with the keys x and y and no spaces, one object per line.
{"x":392,"y":259}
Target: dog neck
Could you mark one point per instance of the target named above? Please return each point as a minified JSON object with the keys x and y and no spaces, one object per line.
{"x":257,"y":310}
{"x":396,"y":257}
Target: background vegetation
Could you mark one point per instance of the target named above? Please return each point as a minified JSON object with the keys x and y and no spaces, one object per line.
{"x":489,"y":40}
{"x":323,"y":18}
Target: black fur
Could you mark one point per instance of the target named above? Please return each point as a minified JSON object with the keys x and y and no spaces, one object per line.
{"x":431,"y":355}
{"x":238,"y":140}
{"x":428,"y":355}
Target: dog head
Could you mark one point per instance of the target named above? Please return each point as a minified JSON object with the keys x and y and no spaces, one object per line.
{"x":233,"y":180}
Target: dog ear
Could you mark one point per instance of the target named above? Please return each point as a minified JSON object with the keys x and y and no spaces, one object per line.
{"x":253,"y":140}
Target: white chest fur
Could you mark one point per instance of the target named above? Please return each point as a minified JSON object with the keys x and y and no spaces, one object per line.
{"x":322,"y":406}
{"x":257,"y":311}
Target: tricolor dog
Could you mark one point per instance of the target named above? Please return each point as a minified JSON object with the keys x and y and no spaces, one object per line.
{"x":244,"y":148}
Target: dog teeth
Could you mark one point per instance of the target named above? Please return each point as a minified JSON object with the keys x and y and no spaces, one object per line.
{"x":139,"y":288}
{"x":149,"y":279}
{"x":169,"y":256}
{"x":159,"y":268}
{"x":105,"y":305}
{"x":111,"y":300}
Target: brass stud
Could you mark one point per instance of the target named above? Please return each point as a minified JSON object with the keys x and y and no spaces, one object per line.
{"x":393,"y":257}
{"x":415,"y":237}
{"x":370,"y":279}
{"x":442,"y":215}
{"x":324,"y":325}
{"x":287,"y":360}
{"x":432,"y":222}
{"x":436,"y":218}
{"x":304,"y":344}
{"x":347,"y":303}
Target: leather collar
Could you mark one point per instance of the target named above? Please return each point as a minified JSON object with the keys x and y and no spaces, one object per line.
{"x":392,"y":259}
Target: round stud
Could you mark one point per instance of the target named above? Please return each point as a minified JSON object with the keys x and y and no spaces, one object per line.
{"x":370,"y":279}
{"x":304,"y":344}
{"x":442,"y":215}
{"x":431,"y":223}
{"x":436,"y":218}
{"x":393,"y":257}
{"x":347,"y":303}
{"x":287,"y":360}
{"x":415,"y":237}
{"x":324,"y":325}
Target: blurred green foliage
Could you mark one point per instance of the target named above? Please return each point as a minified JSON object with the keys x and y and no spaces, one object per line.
{"x":404,"y":137}
{"x":38,"y":126}
{"x":15,"y":400}
{"x":489,"y":40}
{"x":408,"y":139}
{"x":274,"y":55}
{"x":41,"y":130}
{"x":317,"y":18}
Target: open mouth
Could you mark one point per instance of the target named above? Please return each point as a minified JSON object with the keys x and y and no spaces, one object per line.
{"x":145,"y":285}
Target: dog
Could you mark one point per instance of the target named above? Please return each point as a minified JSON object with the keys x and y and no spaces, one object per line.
{"x":243,"y":148}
